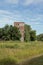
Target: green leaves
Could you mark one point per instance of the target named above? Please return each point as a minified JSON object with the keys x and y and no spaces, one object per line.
{"x":33,"y":35}
{"x":27,"y":33}
{"x":9,"y":33}
{"x":30,"y":35}
{"x":40,"y":37}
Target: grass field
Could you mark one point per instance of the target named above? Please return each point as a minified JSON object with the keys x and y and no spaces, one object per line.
{"x":15,"y":52}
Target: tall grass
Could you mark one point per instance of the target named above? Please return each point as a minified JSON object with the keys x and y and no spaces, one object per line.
{"x":8,"y":61}
{"x":19,"y":51}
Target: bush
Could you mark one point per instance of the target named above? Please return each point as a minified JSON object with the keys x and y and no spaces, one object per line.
{"x":40,"y":37}
{"x":33,"y":35}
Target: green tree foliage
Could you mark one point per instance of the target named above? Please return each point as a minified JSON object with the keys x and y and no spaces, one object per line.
{"x":27,"y":32}
{"x":5,"y":33}
{"x":1,"y":33}
{"x":13,"y":33}
{"x":30,"y":35}
{"x":33,"y":35}
{"x":40,"y":37}
{"x":9,"y":33}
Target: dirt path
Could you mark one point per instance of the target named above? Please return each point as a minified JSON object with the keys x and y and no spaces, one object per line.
{"x":27,"y":60}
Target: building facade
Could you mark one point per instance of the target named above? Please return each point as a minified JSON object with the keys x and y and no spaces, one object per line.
{"x":20,"y":25}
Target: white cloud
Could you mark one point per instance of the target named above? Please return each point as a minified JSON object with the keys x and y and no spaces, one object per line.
{"x":28,"y":2}
{"x":7,"y":17}
{"x":12,"y":1}
{"x":38,"y":1}
{"x":11,"y":14}
{"x":22,"y":2}
{"x":5,"y":12}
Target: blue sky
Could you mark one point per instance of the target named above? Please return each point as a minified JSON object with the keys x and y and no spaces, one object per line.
{"x":28,"y":11}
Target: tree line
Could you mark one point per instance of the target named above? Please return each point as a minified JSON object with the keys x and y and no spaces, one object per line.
{"x":9,"y":32}
{"x":30,"y":35}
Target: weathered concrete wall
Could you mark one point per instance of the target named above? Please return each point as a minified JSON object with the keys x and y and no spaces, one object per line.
{"x":20,"y":25}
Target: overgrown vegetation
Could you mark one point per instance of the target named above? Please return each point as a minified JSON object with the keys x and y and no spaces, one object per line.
{"x":40,"y":37}
{"x":9,"y":33}
{"x":13,"y":33}
{"x":30,"y":35}
{"x":8,"y":61}
{"x":33,"y":61}
{"x":27,"y":33}
{"x":12,"y":53}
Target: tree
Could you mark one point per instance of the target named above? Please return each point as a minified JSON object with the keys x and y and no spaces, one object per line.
{"x":33,"y":35}
{"x":27,"y":32}
{"x":6,"y":35}
{"x":9,"y":33}
{"x":14,"y":33}
{"x":1,"y":33}
{"x":40,"y":37}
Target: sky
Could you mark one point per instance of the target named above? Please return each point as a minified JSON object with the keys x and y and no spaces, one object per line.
{"x":28,"y":11}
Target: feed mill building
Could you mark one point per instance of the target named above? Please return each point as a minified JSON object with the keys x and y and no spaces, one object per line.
{"x":20,"y":25}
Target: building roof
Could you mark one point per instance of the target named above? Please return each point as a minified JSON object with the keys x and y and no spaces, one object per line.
{"x":18,"y":22}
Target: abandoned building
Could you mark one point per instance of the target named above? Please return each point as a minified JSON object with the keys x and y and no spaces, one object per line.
{"x":20,"y":25}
